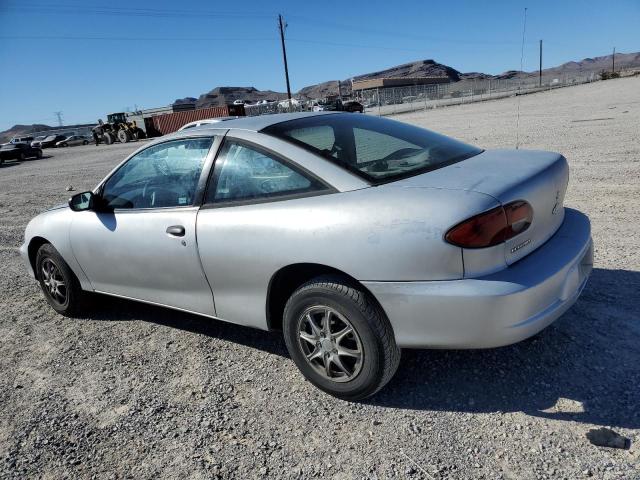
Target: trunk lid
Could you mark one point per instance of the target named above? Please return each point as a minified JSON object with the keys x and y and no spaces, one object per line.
{"x":538,"y":177}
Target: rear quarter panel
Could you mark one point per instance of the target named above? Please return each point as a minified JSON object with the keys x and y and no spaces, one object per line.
{"x":377,"y":233}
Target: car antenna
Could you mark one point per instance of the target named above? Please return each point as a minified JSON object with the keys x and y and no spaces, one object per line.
{"x":524,"y":29}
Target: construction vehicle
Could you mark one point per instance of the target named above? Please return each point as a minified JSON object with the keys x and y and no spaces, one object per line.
{"x":118,"y":128}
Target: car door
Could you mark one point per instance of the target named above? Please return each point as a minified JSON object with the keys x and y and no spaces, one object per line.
{"x":142,"y":242}
{"x":252,"y":192}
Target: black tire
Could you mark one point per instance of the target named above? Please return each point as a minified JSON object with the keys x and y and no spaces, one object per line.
{"x":86,"y":142}
{"x":39,"y":154}
{"x":108,"y":138}
{"x":140,"y":134}
{"x":74,"y":297}
{"x":64,"y":145}
{"x":380,"y":355}
{"x":21,"y":156}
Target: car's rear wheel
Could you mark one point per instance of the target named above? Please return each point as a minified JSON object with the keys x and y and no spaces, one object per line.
{"x":85,"y":142}
{"x":21,"y":156}
{"x":64,"y":144}
{"x":339,"y":338}
{"x":39,"y":154}
{"x":58,"y":283}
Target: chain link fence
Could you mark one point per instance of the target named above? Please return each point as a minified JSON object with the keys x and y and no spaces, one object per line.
{"x":392,"y":100}
{"x":388,"y":101}
{"x":274,"y":107}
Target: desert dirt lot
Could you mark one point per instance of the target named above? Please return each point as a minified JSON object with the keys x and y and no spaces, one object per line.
{"x":135,"y":391}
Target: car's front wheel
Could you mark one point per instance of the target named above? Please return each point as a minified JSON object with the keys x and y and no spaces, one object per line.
{"x":339,"y":338}
{"x":58,"y":282}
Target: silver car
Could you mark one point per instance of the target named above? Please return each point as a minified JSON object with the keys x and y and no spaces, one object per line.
{"x":72,"y":141}
{"x":355,"y":235}
{"x":205,"y":121}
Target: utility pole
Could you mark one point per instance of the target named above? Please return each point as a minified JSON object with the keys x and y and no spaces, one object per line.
{"x":613,"y":61}
{"x":540,"y":67}
{"x":59,"y":115}
{"x":282,"y":26}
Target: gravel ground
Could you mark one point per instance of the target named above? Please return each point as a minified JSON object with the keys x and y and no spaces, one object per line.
{"x":135,"y":391}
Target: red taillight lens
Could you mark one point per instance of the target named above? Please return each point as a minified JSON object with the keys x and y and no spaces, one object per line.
{"x":492,"y":227}
{"x":519,"y":217}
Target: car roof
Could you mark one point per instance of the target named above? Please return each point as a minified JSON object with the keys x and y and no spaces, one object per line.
{"x":257,"y":123}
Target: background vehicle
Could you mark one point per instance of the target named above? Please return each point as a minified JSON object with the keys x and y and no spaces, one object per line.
{"x":18,"y":151}
{"x":21,"y":140}
{"x":72,"y":141}
{"x":118,"y":128}
{"x":51,"y":141}
{"x":206,"y":121}
{"x":442,"y":244}
{"x":352,"y":106}
{"x":38,"y":140}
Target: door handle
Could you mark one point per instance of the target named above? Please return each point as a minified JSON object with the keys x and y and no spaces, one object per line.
{"x":176,"y":230}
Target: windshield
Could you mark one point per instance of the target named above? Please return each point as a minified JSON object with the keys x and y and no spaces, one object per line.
{"x":375,"y":148}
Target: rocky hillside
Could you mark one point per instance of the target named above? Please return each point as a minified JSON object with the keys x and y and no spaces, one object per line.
{"x":220,"y":96}
{"x":22,"y":130}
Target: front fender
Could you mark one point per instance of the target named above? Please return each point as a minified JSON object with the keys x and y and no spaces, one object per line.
{"x":52,"y":226}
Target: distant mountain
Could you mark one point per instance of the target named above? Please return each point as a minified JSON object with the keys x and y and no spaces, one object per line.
{"x":28,"y":130}
{"x":584,"y":66}
{"x":220,"y":96}
{"x":421,"y":68}
{"x":22,"y":131}
{"x":430,"y":68}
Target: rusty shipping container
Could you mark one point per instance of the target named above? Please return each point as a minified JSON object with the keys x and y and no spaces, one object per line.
{"x":171,"y":122}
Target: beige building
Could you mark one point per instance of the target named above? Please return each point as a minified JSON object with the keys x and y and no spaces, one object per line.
{"x":374,"y":83}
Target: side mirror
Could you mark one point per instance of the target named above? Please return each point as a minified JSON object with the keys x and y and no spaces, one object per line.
{"x":82,"y":201}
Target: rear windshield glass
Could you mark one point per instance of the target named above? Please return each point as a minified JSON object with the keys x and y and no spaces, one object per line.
{"x":377,"y":149}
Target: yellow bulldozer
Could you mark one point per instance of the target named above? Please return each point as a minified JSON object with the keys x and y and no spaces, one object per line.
{"x":118,"y":129}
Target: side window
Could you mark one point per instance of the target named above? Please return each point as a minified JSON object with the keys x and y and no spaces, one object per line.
{"x":247,"y":173}
{"x":165,"y":175}
{"x":321,"y":137}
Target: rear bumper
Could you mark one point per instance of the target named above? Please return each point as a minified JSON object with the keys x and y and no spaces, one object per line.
{"x":497,"y":309}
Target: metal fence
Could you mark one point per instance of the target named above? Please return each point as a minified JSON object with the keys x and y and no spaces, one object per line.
{"x":273,"y":107}
{"x":388,"y":101}
{"x":392,"y":100}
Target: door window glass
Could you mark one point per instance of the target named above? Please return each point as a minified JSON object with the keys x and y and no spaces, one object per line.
{"x":248,"y":173}
{"x":165,"y":175}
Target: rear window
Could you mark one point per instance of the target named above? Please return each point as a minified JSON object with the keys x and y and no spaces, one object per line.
{"x":378,"y":149}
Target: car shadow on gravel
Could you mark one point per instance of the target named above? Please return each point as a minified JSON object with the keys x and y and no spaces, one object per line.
{"x":116,"y":309}
{"x":9,"y":163}
{"x":583,"y":368}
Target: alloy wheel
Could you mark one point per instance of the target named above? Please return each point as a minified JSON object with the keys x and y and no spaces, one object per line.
{"x":54,"y":282}
{"x":330,"y":343}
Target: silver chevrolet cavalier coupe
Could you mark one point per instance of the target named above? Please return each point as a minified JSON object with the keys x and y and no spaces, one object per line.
{"x":355,"y":235}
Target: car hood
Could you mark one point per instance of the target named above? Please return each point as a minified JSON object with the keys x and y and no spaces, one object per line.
{"x":57,"y":207}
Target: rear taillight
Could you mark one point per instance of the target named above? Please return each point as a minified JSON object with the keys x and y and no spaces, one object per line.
{"x":492,"y":227}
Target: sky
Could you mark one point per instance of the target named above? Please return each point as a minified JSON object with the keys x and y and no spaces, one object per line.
{"x":87,"y":58}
